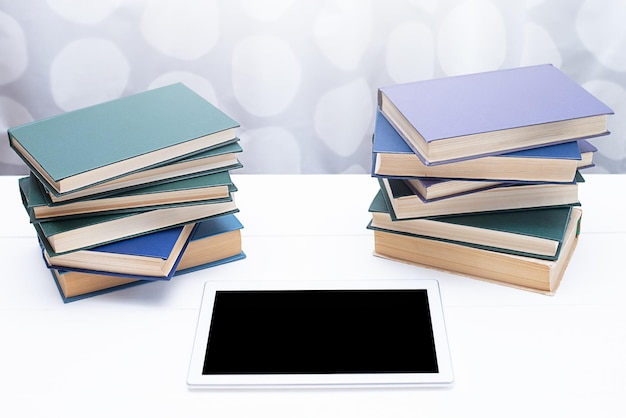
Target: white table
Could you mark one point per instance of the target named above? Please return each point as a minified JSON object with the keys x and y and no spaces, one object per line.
{"x":515,"y":353}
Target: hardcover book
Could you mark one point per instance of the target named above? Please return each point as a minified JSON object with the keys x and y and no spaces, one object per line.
{"x":529,"y":273}
{"x":149,"y":257}
{"x":214,"y":242}
{"x":392,"y":157}
{"x":535,"y":233}
{"x":404,"y":203}
{"x":212,"y":160}
{"x":209,"y":187}
{"x":120,"y":137}
{"x":586,"y":152}
{"x":432,"y":188}
{"x":461,"y":117}
{"x":61,"y":236}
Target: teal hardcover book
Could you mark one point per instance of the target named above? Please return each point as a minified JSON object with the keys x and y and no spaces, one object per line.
{"x":212,"y":160}
{"x":61,"y":236}
{"x":83,"y":147}
{"x":529,"y":273}
{"x":535,"y":233}
{"x":209,"y":187}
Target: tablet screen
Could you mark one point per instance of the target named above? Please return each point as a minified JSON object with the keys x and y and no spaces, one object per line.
{"x":314,"y":335}
{"x":320,"y":331}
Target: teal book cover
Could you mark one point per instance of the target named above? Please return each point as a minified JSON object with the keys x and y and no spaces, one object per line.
{"x":61,"y":236}
{"x":120,"y":136}
{"x":206,"y":188}
{"x":212,"y":160}
{"x":536,"y":232}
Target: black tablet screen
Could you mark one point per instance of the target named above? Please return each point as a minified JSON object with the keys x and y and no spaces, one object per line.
{"x":321,"y":331}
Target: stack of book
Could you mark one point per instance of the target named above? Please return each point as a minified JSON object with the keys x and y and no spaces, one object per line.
{"x":479,"y":173}
{"x":132,"y":190}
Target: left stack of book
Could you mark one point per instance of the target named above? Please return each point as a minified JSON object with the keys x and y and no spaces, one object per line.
{"x":131,"y":190}
{"x":479,"y":173}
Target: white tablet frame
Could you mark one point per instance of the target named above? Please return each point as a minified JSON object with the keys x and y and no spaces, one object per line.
{"x":445,"y":376}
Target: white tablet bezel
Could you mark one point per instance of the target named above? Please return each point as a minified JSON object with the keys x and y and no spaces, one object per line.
{"x":195,"y":378}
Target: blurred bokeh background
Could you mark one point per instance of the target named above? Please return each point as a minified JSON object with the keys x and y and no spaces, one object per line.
{"x":299,"y":76}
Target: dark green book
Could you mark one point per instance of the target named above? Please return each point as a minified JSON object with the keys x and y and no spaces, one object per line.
{"x":61,"y":236}
{"x":87,"y":146}
{"x":206,"y":188}
{"x":537,"y":233}
{"x":530,"y":273}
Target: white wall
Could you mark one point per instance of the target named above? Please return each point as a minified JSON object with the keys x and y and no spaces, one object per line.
{"x":299,"y":76}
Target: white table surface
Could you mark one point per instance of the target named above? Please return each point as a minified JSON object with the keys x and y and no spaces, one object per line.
{"x":125,"y":354}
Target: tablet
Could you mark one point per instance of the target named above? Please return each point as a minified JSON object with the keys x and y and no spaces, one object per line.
{"x":303,"y":334}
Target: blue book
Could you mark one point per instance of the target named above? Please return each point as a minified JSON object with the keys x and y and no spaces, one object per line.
{"x":490,"y":113}
{"x":213,"y":242}
{"x":586,"y":151}
{"x":392,"y":157}
{"x":153,"y":256}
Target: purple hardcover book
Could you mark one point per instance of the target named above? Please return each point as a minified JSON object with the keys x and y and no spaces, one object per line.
{"x":557,"y":162}
{"x":431,"y":113}
{"x":388,"y":140}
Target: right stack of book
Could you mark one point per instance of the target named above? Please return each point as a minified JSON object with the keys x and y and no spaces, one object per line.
{"x":131,"y":191}
{"x":479,"y":173}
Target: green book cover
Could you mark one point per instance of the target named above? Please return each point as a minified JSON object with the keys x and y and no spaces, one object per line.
{"x":103,"y":141}
{"x":215,"y":187}
{"x":212,"y":160}
{"x":535,"y":232}
{"x":60,"y":236}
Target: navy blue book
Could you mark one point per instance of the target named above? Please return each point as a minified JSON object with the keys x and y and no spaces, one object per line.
{"x":152,"y":256}
{"x":213,"y":242}
{"x":392,"y":157}
{"x":586,"y":151}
